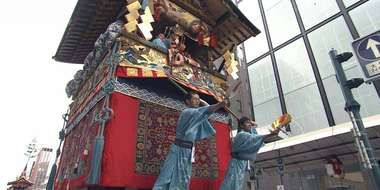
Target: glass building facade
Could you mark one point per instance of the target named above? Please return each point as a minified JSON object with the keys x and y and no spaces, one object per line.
{"x":290,"y":71}
{"x":288,"y":64}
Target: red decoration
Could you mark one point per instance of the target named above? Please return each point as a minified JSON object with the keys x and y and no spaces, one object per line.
{"x":157,"y":10}
{"x":200,"y":34}
{"x":200,"y":39}
{"x":212,"y":39}
{"x":334,"y":162}
{"x":85,"y":154}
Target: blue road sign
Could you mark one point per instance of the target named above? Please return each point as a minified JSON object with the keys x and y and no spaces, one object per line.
{"x":367,"y":53}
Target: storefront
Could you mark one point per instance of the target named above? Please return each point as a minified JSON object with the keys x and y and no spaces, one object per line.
{"x":305,"y":158}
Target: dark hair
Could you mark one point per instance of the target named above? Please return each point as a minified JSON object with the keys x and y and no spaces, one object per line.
{"x":189,"y":95}
{"x":241,"y":122}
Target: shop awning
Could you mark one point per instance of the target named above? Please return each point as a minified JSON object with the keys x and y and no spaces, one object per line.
{"x":307,"y":151}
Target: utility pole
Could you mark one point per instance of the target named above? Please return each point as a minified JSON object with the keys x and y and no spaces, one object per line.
{"x":352,"y":107}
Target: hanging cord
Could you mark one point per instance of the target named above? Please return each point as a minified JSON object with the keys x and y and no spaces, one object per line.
{"x":104,"y":115}
{"x":53,"y":171}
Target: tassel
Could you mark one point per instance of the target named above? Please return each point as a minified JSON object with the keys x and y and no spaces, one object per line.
{"x":157,"y":11}
{"x":75,"y":168}
{"x":85,"y":154}
{"x":200,"y":39}
{"x":102,"y":117}
{"x":50,"y":183}
{"x":96,"y":161}
{"x":200,"y":35}
{"x":68,"y":185}
{"x":212,"y":40}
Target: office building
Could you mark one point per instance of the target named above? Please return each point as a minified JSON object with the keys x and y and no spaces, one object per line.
{"x":290,"y":71}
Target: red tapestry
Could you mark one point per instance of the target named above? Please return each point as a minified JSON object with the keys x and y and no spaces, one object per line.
{"x":155,"y":135}
{"x":74,"y":160}
{"x":134,"y":137}
{"x":141,"y":129}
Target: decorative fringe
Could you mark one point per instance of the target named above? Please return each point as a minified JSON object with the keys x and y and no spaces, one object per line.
{"x":96,"y":161}
{"x":50,"y":183}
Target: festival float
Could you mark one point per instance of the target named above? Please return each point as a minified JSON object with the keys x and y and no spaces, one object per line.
{"x":139,"y":58}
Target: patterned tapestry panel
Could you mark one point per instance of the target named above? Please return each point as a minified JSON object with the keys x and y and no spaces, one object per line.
{"x":78,"y":143}
{"x":156,"y":133}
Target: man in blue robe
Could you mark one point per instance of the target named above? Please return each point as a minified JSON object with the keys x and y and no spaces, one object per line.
{"x":192,"y":125}
{"x":162,"y":41}
{"x":245,"y":147}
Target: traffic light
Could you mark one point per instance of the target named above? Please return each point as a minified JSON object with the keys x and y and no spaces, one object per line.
{"x":345,"y":85}
{"x":337,"y":63}
{"x":280,"y":164}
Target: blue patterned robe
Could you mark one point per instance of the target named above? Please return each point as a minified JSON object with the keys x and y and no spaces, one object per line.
{"x":246,"y":144}
{"x":193,"y":125}
{"x":164,"y":44}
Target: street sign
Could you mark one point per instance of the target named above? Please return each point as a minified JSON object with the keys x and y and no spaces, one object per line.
{"x":367,"y":54}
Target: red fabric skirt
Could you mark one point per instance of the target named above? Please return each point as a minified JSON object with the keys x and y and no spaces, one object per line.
{"x":133,"y":138}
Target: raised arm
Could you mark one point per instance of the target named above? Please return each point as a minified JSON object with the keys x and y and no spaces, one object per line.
{"x":254,"y":124}
{"x":204,"y":103}
{"x":272,"y":133}
{"x":217,"y":106}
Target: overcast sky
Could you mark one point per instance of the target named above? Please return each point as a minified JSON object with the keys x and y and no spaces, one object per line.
{"x":33,"y":96}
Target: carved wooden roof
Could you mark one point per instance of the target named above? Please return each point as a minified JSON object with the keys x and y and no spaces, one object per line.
{"x":91,"y":18}
{"x":22,"y":182}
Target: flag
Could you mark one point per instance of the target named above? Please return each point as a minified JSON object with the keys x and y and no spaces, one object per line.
{"x":231,"y":92}
{"x":23,"y":174}
{"x":282,"y":121}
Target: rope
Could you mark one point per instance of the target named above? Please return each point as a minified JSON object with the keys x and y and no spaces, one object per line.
{"x":104,"y":115}
{"x":108,"y":88}
{"x":53,"y":170}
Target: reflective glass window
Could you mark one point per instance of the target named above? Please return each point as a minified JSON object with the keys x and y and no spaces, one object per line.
{"x":348,"y":3}
{"x":315,"y":11}
{"x":336,"y":35}
{"x":282,"y":22}
{"x":302,"y":97}
{"x":366,"y":17}
{"x":266,"y":104}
